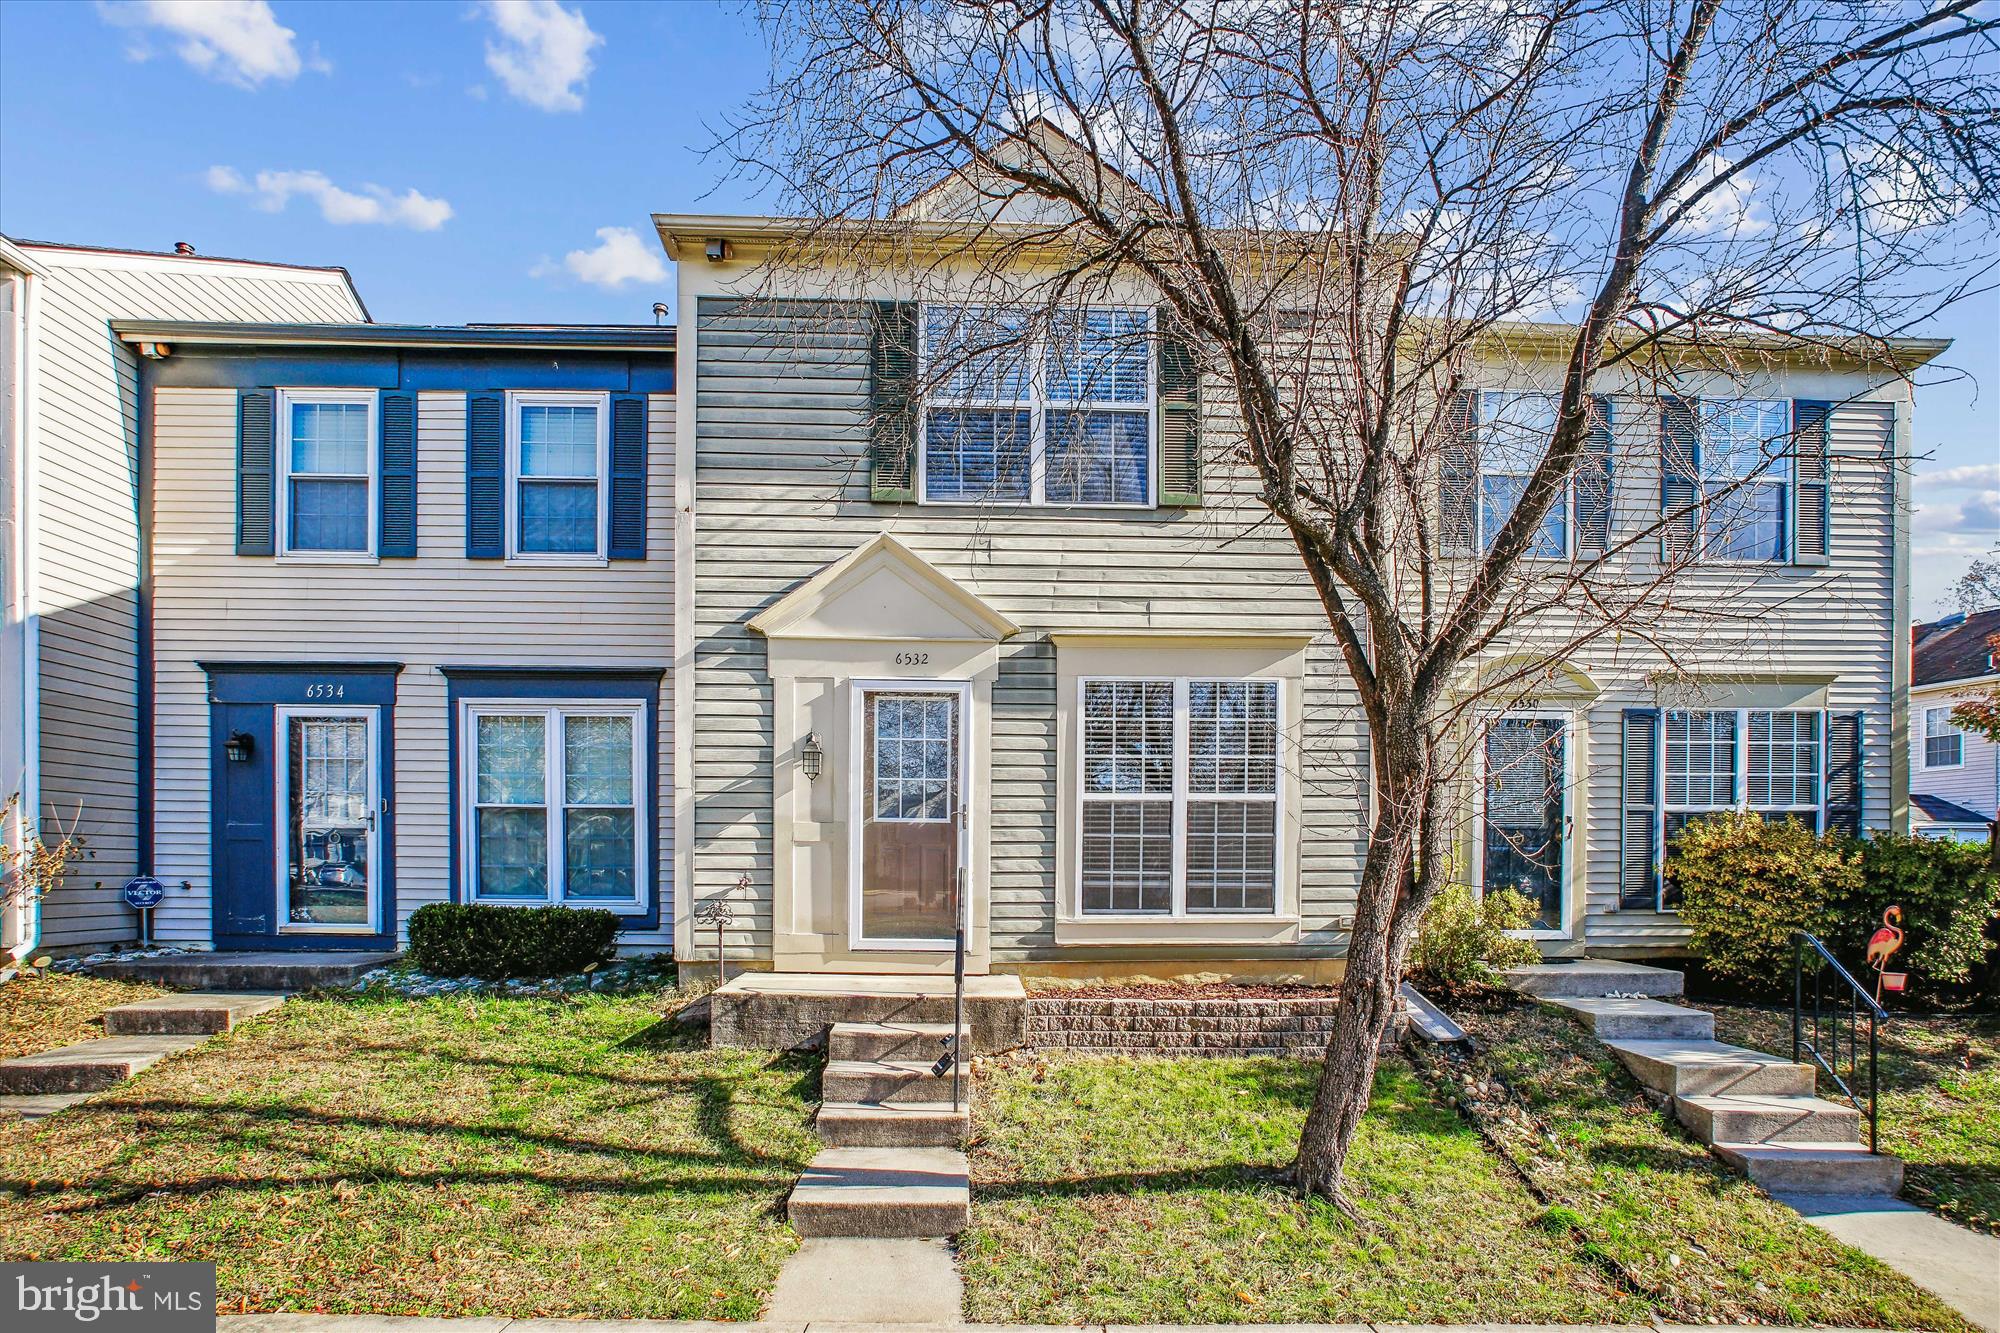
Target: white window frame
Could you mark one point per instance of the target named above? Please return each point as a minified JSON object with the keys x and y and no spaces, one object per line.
{"x":1482,"y":541}
{"x":1566,"y":870}
{"x":1779,"y":471}
{"x":553,"y":713}
{"x":1813,"y":816}
{"x":286,"y":400}
{"x":522,"y":398}
{"x":1181,"y":798}
{"x":1949,"y":732}
{"x":1037,"y":405}
{"x":861,"y":790}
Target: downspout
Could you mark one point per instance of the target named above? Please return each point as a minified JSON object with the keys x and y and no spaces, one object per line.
{"x":143,"y":628}
{"x":30,"y":937}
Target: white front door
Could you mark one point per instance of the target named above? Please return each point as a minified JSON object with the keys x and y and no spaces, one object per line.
{"x":329,"y":866}
{"x":908,"y":820}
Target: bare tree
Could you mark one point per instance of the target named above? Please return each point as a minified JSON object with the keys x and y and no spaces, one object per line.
{"x":1347,"y":205}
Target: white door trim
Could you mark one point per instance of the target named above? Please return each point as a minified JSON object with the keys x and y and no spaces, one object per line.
{"x":858,"y":788}
{"x":1565,"y":871}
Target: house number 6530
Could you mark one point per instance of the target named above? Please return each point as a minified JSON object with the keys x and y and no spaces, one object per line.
{"x":326,"y":690}
{"x":913,"y":659}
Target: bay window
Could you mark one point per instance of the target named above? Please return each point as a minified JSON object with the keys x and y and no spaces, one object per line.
{"x":1179,"y":797}
{"x":1053,"y":412}
{"x":554,"y":798}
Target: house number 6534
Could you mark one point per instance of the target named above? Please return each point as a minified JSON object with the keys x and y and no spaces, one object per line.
{"x":913,"y":659}
{"x":326,"y":690}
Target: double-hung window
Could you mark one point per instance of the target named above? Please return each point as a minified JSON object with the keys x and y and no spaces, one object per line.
{"x":558,"y":455}
{"x":326,"y":454}
{"x":1765,"y":761}
{"x":1944,"y":744}
{"x":1745,"y":463}
{"x":1055,"y":411}
{"x":1514,"y":432}
{"x":1179,"y":797}
{"x":555,"y":803}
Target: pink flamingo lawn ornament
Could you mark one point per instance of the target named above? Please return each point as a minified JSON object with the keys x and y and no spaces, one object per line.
{"x":1883,"y":944}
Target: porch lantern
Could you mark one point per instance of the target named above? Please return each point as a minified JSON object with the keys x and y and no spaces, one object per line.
{"x":810,"y":755}
{"x":237,"y":749}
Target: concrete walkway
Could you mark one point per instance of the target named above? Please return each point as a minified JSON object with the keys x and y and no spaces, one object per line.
{"x":1958,"y":1265}
{"x":397,"y":1323}
{"x":845,"y":1280}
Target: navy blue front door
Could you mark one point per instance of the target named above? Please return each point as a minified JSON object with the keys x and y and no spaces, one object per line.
{"x":302,"y":805}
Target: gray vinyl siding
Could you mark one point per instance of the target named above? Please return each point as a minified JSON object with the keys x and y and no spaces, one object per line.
{"x":781,"y":490}
{"x":435,"y":610}
{"x":85,"y":453}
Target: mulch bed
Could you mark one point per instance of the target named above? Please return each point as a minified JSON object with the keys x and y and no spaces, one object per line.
{"x":1183,"y":990}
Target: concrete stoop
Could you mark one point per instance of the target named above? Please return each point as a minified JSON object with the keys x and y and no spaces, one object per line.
{"x":198,"y":1014}
{"x":1756,"y":1111}
{"x":271,"y":971}
{"x":894,"y":1165}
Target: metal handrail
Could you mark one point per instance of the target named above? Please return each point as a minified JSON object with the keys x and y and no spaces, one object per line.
{"x":1844,"y":1017}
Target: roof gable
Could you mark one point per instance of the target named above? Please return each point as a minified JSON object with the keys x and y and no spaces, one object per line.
{"x":883,"y":590}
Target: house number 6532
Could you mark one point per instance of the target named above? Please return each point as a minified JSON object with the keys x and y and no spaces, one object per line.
{"x":913,"y":659}
{"x":326,"y":690}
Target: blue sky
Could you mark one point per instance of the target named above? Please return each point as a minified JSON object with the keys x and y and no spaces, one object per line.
{"x":468,"y":163}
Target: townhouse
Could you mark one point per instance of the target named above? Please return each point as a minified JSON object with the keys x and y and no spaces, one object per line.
{"x":1954,"y":774}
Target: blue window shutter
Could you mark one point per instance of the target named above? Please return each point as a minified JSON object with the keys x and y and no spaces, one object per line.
{"x":256,"y":471}
{"x":396,"y":414}
{"x":892,"y":409}
{"x":1593,"y":482}
{"x":1843,"y":773}
{"x":1180,"y":415}
{"x":1812,"y":470}
{"x":628,"y":476}
{"x":1458,"y":473}
{"x":1680,"y":476}
{"x":485,"y":476}
{"x":1638,"y":858}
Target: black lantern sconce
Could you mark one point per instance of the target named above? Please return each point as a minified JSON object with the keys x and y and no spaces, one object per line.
{"x":810,"y":755}
{"x":239,"y":747}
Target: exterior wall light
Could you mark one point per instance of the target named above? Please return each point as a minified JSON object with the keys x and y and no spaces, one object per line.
{"x":717,"y":249}
{"x":239,"y":747}
{"x":810,"y":755}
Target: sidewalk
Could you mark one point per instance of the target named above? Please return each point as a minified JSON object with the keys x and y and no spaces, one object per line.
{"x":1958,"y":1265}
{"x":397,"y":1323}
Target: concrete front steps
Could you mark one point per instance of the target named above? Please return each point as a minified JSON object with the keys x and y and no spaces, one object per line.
{"x":139,"y":1036}
{"x":275,"y":970}
{"x":895,"y":1165}
{"x":1756,"y":1111}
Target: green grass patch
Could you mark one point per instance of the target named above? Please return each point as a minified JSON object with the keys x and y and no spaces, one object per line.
{"x":1147,"y":1191}
{"x":1703,"y":1244}
{"x":1940,"y":1103}
{"x":555,"y":1156}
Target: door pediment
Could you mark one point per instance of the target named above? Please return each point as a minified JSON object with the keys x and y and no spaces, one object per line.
{"x":883,"y":590}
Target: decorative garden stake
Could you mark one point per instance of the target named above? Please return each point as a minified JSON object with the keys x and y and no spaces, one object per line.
{"x":715,"y":912}
{"x":1881,"y":945}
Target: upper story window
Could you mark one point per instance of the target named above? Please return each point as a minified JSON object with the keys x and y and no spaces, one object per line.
{"x":1514,"y":433}
{"x":1060,"y":415}
{"x":1944,"y":744}
{"x":326,"y":455}
{"x":1179,"y":797}
{"x":1744,"y":461}
{"x":558,"y":447}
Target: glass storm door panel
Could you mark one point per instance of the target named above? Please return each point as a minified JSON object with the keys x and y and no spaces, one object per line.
{"x":1524,"y":813}
{"x":327,"y":804}
{"x":910,"y":808}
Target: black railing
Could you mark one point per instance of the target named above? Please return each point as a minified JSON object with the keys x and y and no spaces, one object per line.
{"x":1828,"y":1009}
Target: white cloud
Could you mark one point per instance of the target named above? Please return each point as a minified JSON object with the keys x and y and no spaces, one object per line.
{"x":272,"y":190}
{"x":236,"y":41}
{"x":1731,"y":208}
{"x":621,"y":256}
{"x":542,"y":55}
{"x":1970,"y":476}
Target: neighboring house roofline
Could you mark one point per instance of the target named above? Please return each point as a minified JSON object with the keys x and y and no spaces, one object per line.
{"x":1938,"y":810}
{"x":13,"y":257}
{"x":1930,"y":687}
{"x":1956,"y":650}
{"x":599,"y":337}
{"x":56,"y":250}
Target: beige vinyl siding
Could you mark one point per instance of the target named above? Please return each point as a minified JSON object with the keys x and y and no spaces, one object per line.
{"x":437,"y":609}
{"x":85,"y":455}
{"x":1975,"y":783}
{"x":781,"y":490}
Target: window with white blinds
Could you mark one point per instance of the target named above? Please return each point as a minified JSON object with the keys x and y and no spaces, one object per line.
{"x":1944,"y":744}
{"x":1765,"y":761}
{"x":1179,"y":797}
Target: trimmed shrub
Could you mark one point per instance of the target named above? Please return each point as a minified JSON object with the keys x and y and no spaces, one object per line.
{"x":493,"y":942}
{"x":1746,"y":885}
{"x":1948,"y":892}
{"x":1463,"y":940}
